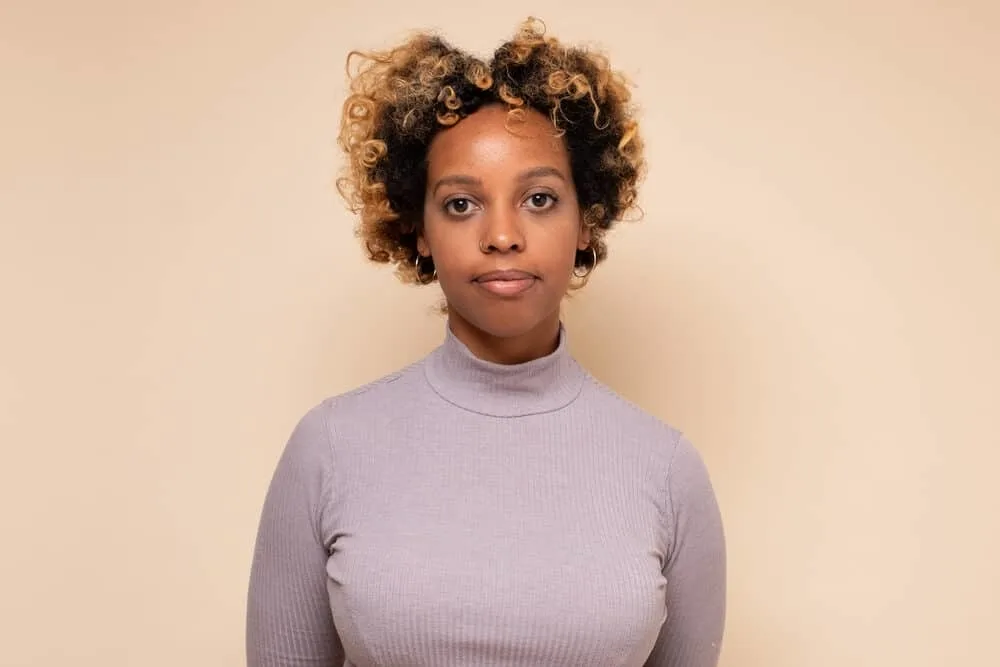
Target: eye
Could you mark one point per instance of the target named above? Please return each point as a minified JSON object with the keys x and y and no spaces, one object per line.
{"x":542,"y":201}
{"x":458,"y":206}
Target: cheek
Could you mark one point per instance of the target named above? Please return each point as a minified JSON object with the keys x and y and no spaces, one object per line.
{"x":448,"y":247}
{"x":563,"y":247}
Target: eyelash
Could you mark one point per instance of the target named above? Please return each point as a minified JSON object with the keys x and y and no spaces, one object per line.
{"x":448,"y":204}
{"x":549,"y":196}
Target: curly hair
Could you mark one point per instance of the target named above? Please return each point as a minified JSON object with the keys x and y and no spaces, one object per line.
{"x":400,"y":98}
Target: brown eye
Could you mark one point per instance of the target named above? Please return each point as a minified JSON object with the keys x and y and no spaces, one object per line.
{"x":458,"y":206}
{"x":541,"y":200}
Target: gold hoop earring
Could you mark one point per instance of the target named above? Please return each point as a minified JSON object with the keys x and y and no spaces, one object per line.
{"x":422,"y":276}
{"x":587,"y":269}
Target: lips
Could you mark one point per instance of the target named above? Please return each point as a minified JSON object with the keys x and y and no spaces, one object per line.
{"x":510,"y":282}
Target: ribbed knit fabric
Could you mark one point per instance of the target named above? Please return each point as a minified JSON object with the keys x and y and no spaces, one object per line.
{"x":462,"y":513}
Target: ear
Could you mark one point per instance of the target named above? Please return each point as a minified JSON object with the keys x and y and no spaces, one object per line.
{"x":422,"y":247}
{"x":585,"y":237}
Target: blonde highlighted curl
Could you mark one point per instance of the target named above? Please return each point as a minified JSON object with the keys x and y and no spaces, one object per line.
{"x":400,"y":98}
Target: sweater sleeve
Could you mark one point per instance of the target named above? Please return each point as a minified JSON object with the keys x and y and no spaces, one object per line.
{"x":289,"y":622}
{"x":695,"y":570}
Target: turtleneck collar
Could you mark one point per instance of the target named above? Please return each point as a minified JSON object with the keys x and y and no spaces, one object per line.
{"x":504,"y":390}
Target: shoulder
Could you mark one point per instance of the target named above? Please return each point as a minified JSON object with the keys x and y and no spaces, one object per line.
{"x":676,"y":461}
{"x":309,"y":452}
{"x":370,"y":401}
{"x":630,"y":419}
{"x":374,"y":399}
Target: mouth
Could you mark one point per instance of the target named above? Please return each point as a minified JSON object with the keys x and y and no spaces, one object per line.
{"x":506,"y":283}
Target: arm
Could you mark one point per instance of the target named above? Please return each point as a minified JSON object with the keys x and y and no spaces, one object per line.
{"x":289,"y":623}
{"x":695,"y":570}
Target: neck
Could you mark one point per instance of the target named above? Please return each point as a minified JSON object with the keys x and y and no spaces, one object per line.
{"x":534,"y":344}
{"x":541,"y":384}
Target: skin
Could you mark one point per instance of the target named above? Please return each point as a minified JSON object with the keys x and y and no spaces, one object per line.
{"x":500,"y":197}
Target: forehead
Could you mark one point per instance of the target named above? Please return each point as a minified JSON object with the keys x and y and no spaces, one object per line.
{"x":492,"y":140}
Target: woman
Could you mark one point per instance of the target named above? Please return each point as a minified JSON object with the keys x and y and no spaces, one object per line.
{"x":492,"y":504}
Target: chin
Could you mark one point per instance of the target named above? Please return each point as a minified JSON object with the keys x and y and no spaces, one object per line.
{"x":505,"y":320}
{"x":506,"y":329}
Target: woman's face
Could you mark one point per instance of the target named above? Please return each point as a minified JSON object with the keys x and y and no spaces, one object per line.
{"x":501,"y":221}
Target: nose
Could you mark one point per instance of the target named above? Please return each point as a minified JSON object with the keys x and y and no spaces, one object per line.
{"x":502,"y":233}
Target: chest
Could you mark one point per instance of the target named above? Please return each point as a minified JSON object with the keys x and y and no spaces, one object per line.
{"x":498,"y":555}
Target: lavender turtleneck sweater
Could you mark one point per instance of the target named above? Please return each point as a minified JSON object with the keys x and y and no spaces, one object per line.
{"x":461,"y":512}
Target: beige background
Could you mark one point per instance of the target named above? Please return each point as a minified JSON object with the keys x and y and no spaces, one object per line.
{"x":814,"y":296}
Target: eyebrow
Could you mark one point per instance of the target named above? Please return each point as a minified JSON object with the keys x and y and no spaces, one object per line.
{"x":472,"y":181}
